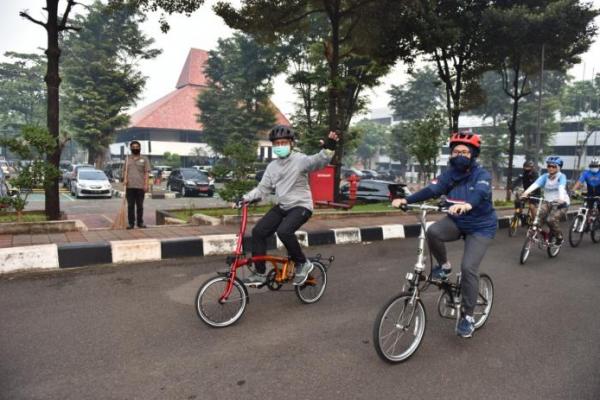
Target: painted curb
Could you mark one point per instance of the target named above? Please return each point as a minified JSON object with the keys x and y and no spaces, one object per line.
{"x":71,"y":255}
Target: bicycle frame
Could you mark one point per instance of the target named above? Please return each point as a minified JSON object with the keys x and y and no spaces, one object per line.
{"x":536,"y":227}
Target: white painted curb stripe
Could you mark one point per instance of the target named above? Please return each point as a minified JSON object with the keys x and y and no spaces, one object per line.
{"x":135,"y":250}
{"x":44,"y":256}
{"x":347,"y":235}
{"x":302,"y":239}
{"x":219,"y":244}
{"x":393,"y":232}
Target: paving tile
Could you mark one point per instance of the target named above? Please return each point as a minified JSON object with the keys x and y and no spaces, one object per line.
{"x":40,"y":239}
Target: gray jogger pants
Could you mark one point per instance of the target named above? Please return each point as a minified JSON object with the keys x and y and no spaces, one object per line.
{"x":445,"y":230}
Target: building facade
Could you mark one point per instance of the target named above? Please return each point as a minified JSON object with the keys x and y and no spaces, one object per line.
{"x":170,"y":124}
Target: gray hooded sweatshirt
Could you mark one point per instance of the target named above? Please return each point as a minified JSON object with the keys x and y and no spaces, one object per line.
{"x":289,"y":177}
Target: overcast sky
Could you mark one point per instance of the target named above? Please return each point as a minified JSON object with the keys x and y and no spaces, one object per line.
{"x":201,"y":30}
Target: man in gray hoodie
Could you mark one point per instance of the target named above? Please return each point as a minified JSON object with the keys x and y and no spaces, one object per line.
{"x":288,"y":176}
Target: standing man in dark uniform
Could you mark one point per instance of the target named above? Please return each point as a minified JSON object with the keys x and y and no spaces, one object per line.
{"x":136,"y":184}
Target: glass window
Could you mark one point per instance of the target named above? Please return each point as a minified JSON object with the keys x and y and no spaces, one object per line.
{"x":92,"y":175}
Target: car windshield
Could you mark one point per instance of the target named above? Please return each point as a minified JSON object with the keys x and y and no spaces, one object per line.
{"x":87,"y":175}
{"x":193,"y":174}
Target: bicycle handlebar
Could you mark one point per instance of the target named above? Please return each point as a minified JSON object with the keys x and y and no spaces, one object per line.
{"x":441,"y":207}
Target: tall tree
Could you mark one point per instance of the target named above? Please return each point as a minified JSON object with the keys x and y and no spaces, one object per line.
{"x":420,"y":96}
{"x":451,"y":35}
{"x":166,"y":7}
{"x":520,"y":30}
{"x":22,"y":92}
{"x":236,"y":107}
{"x":423,"y":138}
{"x":56,"y":23}
{"x":101,"y":78}
{"x":376,"y":29}
{"x":373,"y":140}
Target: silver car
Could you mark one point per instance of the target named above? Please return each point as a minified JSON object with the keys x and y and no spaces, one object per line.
{"x":91,"y":183}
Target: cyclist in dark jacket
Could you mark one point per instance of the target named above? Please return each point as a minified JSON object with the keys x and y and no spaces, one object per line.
{"x":527,"y":178}
{"x":472,"y":217}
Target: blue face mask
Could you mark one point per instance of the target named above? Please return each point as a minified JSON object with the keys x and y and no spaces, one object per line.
{"x":282,"y":151}
{"x":460,"y":163}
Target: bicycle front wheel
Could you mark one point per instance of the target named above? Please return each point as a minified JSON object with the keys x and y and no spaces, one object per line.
{"x":576,"y":231}
{"x":526,"y":249}
{"x":595,"y":230}
{"x":217,"y":313}
{"x":314,"y":287}
{"x":514,"y":224}
{"x":399,"y":328}
{"x":485,"y":298}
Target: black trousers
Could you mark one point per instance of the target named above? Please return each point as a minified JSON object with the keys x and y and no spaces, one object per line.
{"x":135,"y":199}
{"x":285,"y":223}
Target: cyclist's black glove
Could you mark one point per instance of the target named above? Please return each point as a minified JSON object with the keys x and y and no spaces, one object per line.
{"x":330,"y":144}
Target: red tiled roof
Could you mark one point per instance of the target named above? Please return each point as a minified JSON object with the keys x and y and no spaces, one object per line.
{"x":177,"y":110}
{"x":193,"y":69}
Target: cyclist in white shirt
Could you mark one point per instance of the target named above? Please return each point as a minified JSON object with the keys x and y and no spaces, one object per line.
{"x":554,"y":184}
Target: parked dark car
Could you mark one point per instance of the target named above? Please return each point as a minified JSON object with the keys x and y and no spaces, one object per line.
{"x":369,"y":191}
{"x":190,"y":181}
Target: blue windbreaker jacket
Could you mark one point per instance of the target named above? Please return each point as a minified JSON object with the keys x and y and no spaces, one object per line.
{"x":473,"y":187}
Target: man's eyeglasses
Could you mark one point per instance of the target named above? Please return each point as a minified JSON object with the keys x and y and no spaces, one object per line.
{"x":465,"y":153}
{"x":551,"y":166}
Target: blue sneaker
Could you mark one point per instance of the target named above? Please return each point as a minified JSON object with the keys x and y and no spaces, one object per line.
{"x":466,"y":326}
{"x":440,"y":273}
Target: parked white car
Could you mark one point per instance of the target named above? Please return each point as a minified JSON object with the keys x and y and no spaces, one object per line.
{"x":91,"y":183}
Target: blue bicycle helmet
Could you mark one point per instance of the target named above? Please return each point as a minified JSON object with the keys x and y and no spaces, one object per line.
{"x":556,"y":160}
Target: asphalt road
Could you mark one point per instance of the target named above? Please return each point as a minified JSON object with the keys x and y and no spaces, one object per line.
{"x":132,"y":333}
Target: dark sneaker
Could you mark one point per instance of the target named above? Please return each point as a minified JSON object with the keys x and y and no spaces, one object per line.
{"x":302,"y":272}
{"x":558,"y":241}
{"x":466,"y":326}
{"x":142,"y":226}
{"x":255,"y":279}
{"x":440,"y":273}
{"x":129,"y":226}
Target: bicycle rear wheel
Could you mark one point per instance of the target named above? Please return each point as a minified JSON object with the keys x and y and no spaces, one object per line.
{"x":216,"y":313}
{"x":314,"y":287}
{"x":576,"y":231}
{"x":485,"y":299}
{"x":526,"y":249}
{"x":514,"y":224}
{"x":399,"y":328}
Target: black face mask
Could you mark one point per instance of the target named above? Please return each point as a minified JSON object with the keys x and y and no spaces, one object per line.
{"x":135,"y":152}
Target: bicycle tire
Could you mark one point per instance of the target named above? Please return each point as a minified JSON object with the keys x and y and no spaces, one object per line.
{"x":574,"y":235}
{"x":595,"y":230}
{"x":553,"y":250}
{"x":314,"y":287}
{"x":446,"y":307}
{"x":217,"y":314}
{"x":485,"y":300}
{"x":513,"y":226}
{"x":525,"y":250}
{"x":414,"y":326}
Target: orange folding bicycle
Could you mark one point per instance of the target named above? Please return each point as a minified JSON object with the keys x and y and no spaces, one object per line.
{"x":222,"y":299}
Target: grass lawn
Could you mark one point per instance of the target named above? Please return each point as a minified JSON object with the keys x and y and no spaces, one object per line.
{"x":262,"y":209}
{"x":29,"y":217}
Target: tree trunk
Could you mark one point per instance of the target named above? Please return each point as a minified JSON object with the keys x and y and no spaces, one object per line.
{"x":334,"y":61}
{"x":52,"y":203}
{"x":512,"y":127}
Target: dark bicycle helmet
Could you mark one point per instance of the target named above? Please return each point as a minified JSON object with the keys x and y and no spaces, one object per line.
{"x":282,"y":132}
{"x":595,"y":163}
{"x":468,"y":139}
{"x":555,"y":160}
{"x":528,"y":164}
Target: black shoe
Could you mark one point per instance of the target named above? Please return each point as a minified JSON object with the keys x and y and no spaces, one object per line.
{"x":129,"y":226}
{"x":558,"y":241}
{"x":142,"y":226}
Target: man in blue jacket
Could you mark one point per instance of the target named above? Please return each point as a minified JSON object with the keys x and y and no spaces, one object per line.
{"x":472,"y":217}
{"x":591,"y":178}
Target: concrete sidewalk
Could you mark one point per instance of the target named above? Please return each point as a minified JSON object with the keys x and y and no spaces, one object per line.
{"x":79,"y":249}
